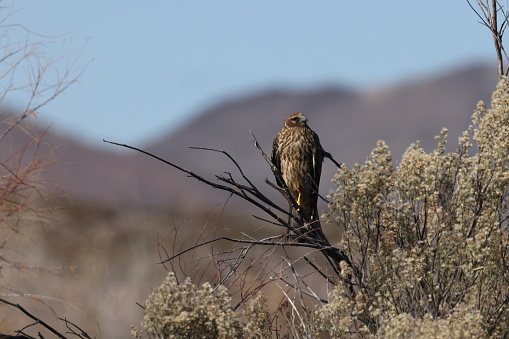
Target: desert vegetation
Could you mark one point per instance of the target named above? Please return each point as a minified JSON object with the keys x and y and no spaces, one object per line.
{"x":424,"y":241}
{"x":417,"y":247}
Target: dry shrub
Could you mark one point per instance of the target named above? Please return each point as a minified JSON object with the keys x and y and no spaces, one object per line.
{"x":428,"y":237}
{"x":184,"y":311}
{"x":462,"y":323}
{"x":258,"y":318}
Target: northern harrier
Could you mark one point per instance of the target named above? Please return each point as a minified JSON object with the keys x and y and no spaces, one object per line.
{"x":298,"y":155}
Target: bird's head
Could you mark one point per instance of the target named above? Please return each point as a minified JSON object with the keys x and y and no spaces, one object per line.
{"x":295,"y":120}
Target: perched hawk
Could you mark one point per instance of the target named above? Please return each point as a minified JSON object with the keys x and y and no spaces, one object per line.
{"x":298,"y":155}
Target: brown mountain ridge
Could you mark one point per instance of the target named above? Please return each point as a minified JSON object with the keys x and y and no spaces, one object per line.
{"x":348,"y":122}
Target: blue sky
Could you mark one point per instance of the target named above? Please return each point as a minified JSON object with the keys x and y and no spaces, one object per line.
{"x":154,"y":64}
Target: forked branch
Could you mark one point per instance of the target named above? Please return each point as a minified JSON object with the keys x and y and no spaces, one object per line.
{"x":495,"y":17}
{"x":73,"y":328}
{"x":250,"y":193}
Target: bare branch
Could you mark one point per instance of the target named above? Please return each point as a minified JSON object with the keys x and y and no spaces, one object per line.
{"x":75,"y":329}
{"x":39,"y":321}
{"x":238,"y":189}
{"x":489,"y":16}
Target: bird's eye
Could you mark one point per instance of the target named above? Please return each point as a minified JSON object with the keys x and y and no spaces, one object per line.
{"x":295,"y":119}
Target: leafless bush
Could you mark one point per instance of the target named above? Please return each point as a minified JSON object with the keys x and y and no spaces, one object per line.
{"x":31,"y":79}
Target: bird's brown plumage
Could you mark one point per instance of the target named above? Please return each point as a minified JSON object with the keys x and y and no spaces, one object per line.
{"x":298,"y":155}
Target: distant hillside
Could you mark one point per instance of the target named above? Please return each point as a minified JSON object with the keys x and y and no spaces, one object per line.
{"x":348,"y":123}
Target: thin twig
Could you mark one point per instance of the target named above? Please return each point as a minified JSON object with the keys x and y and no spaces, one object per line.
{"x":250,"y":242}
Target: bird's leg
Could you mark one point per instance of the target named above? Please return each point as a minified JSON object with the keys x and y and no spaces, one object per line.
{"x":289,"y":219}
{"x":298,"y":202}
